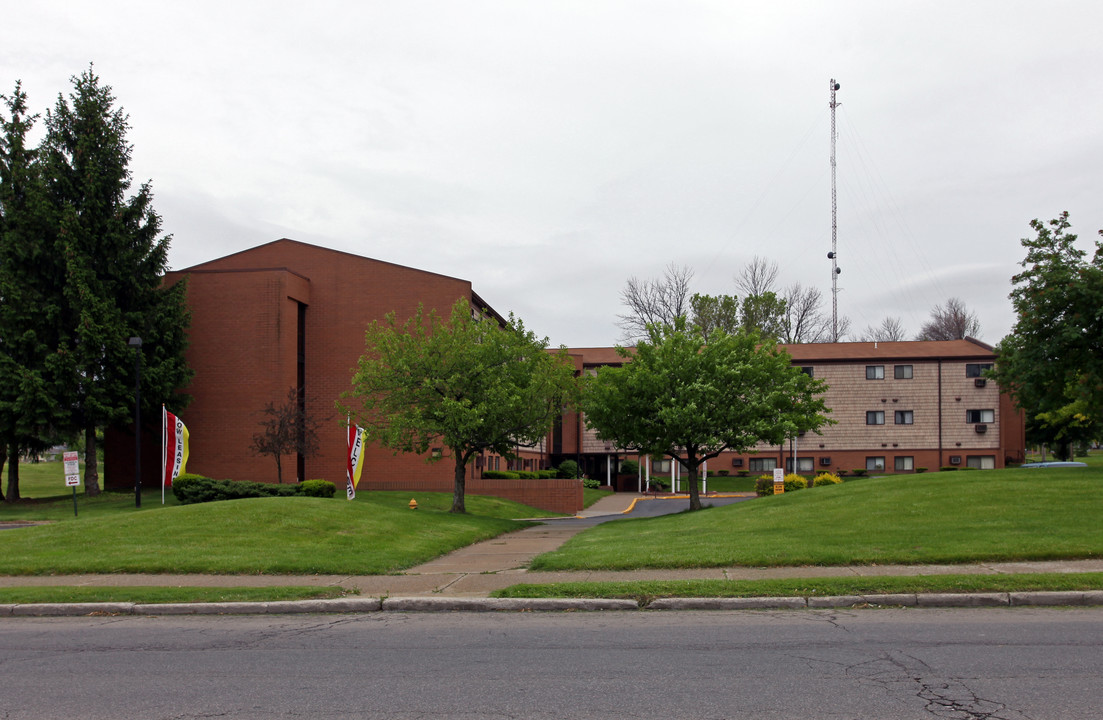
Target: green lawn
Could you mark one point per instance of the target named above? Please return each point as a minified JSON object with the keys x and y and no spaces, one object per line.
{"x":155,"y":594}
{"x":950,"y":517}
{"x":43,"y":479}
{"x":377,"y":534}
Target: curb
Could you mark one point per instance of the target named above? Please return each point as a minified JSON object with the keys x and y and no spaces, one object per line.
{"x":436,"y":603}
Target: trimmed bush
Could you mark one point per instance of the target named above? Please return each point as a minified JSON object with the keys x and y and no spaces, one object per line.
{"x":764,"y":485}
{"x":317,"y":488}
{"x":948,"y":468}
{"x":629,"y":467}
{"x":743,"y":473}
{"x":547,"y":474}
{"x":189,"y":488}
{"x":591,"y":483}
{"x":501,"y":474}
{"x":525,"y":474}
{"x":723,"y":473}
{"x":794,"y":482}
{"x":826,"y":478}
{"x":858,"y":472}
{"x":567,"y":469}
{"x":921,"y":469}
{"x":658,"y":483}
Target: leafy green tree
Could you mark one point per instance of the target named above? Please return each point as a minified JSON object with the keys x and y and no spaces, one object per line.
{"x":691,"y":400}
{"x":465,"y":383}
{"x":30,"y":283}
{"x":1052,"y":362}
{"x":114,"y":261}
{"x":712,"y":314}
{"x":764,"y":314}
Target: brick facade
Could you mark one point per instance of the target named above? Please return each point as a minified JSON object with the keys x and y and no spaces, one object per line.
{"x":288,"y":315}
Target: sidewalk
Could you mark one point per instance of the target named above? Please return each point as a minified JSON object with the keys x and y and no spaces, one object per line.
{"x":475,"y":571}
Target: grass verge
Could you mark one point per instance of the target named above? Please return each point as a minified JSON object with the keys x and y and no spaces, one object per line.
{"x":949,"y":517}
{"x":301,"y":535}
{"x":151,"y":595}
{"x":645,"y":591}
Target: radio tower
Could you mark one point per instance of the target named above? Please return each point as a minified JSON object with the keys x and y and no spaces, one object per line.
{"x":833,"y":255}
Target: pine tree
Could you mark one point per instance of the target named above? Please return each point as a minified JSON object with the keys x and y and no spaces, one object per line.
{"x":114,"y":259}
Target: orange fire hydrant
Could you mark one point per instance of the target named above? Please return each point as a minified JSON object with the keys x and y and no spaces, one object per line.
{"x":413,"y":504}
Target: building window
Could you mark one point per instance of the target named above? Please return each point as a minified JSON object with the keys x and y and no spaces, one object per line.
{"x":981,"y":462}
{"x":875,"y":372}
{"x":904,"y":417}
{"x":903,"y":462}
{"x":976,"y":369}
{"x":825,"y":462}
{"x":875,"y":417}
{"x":804,"y":464}
{"x":980,"y":416}
{"x":762,"y":464}
{"x":737,"y":462}
{"x":807,"y":370}
{"x":660,"y":467}
{"x":902,"y":372}
{"x":875,"y":463}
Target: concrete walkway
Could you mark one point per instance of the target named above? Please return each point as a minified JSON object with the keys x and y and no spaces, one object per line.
{"x":477,"y":570}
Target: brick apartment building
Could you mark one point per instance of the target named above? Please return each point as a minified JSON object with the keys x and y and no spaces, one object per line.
{"x":898,"y":407}
{"x":292,"y":315}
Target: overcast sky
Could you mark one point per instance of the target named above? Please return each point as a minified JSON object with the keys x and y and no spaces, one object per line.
{"x":547,"y":151}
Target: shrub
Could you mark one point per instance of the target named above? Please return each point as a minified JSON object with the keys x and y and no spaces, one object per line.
{"x":794,"y":482}
{"x":659,"y":483}
{"x":568,"y":469}
{"x":547,"y":474}
{"x":743,"y":473}
{"x":317,"y":488}
{"x":826,"y":478}
{"x":723,"y":473}
{"x":921,"y":469}
{"x":629,"y":467}
{"x":858,"y":472}
{"x":764,"y":485}
{"x":591,"y":483}
{"x":948,"y":468}
{"x":525,"y":474}
{"x":189,"y":488}
{"x":500,"y":474}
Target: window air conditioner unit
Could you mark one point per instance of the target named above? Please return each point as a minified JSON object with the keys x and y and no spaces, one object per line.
{"x":955,"y":459}
{"x":737,"y":462}
{"x":980,"y":382}
{"x":981,"y":429}
{"x":825,"y":461}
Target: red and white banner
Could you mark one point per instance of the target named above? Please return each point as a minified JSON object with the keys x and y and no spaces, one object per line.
{"x":355,"y":464}
{"x":174,"y":446}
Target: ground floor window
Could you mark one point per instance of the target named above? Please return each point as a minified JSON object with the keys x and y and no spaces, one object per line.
{"x":875,"y":463}
{"x":981,"y":462}
{"x":904,"y":462}
{"x":762,"y":464}
{"x":660,"y":467}
{"x":804,"y":464}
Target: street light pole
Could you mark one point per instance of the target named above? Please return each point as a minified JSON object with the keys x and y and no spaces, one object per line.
{"x":136,"y":343}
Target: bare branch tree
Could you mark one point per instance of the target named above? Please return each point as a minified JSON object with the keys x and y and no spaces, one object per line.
{"x":655,"y":301}
{"x":805,"y":321}
{"x":952,"y":322}
{"x":758,"y":277}
{"x":890,"y":330}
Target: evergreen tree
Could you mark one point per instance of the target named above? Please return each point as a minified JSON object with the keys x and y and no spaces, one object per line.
{"x":30,"y":283}
{"x":114,"y":260}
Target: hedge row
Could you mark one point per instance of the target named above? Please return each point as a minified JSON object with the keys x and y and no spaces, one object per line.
{"x":190,"y":488}
{"x":519,"y":474}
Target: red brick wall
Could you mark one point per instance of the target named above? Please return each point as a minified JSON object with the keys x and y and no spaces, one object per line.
{"x":562,"y":496}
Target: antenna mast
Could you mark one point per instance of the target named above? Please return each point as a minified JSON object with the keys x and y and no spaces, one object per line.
{"x":833,"y":255}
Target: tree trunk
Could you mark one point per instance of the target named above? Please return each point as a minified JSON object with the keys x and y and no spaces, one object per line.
{"x":279,"y":469}
{"x":692,"y":465}
{"x":13,"y":474}
{"x":3,"y":458}
{"x":459,"y":483}
{"x":91,"y":470}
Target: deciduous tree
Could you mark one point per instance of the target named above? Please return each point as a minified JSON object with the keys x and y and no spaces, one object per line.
{"x":890,"y":330}
{"x":654,"y":301}
{"x":691,"y":400}
{"x":1052,"y":361}
{"x":952,"y":322}
{"x":465,"y":383}
{"x":286,"y":429}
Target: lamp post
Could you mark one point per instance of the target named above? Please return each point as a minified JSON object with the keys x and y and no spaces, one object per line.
{"x":136,"y":343}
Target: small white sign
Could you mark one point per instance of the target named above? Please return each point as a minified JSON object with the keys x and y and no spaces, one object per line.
{"x":779,"y":475}
{"x":72,"y":469}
